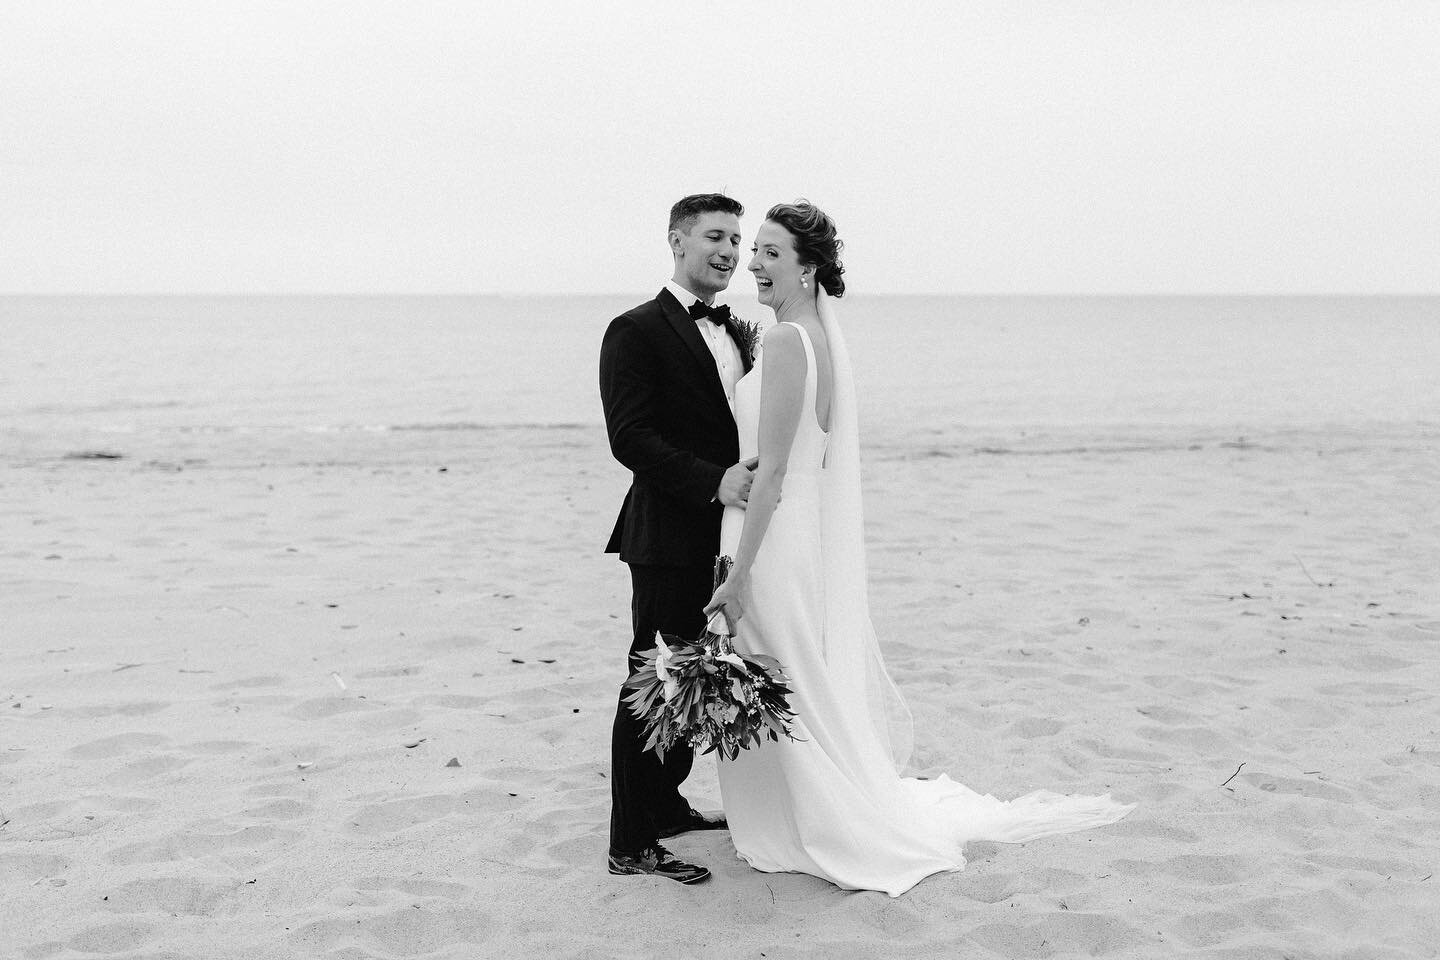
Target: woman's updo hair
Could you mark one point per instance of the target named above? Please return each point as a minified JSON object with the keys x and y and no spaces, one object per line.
{"x":815,"y":242}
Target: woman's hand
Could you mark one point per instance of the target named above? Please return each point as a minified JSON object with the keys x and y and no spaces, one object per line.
{"x":726,"y":600}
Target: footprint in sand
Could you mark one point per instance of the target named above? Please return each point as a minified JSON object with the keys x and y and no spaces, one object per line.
{"x":453,"y":643}
{"x":1166,"y":714}
{"x":1195,"y":870}
{"x":262,"y":703}
{"x":246,"y":683}
{"x":1059,"y":880}
{"x":142,"y":708}
{"x":569,"y":828}
{"x":118,"y":745}
{"x":22,"y":869}
{"x":285,"y":808}
{"x":1083,"y":934}
{"x":147,"y":769}
{"x":1138,"y":826}
{"x":1307,"y":714}
{"x":218,"y":746}
{"x":397,"y":931}
{"x":1405,"y":758}
{"x":1207,"y":929}
{"x":80,"y":817}
{"x":182,"y":896}
{"x":322,"y":707}
{"x":108,"y":938}
{"x":397,"y":815}
{"x":1201,"y":740}
{"x":1381,"y":868}
{"x":1029,"y":728}
{"x":282,"y":789}
{"x":986,"y":887}
{"x":192,"y":846}
{"x":1202,"y":870}
{"x":1312,"y":789}
{"x":414,"y":888}
{"x":458,"y":701}
{"x":388,"y":672}
{"x":1390,"y":694}
{"x":1375,"y":663}
{"x":1112,"y":751}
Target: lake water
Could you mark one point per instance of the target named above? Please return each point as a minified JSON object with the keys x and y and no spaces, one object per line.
{"x":932,"y":371}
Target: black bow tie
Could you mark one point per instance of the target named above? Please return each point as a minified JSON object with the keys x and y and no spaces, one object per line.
{"x":716,"y":315}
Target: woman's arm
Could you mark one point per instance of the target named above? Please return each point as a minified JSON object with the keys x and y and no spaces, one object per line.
{"x":782,"y":398}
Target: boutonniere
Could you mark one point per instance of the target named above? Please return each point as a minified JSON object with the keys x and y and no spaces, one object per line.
{"x":747,"y":337}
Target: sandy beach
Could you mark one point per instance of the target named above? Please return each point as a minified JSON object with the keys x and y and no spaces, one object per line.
{"x":309,"y":649}
{"x":353,"y":700}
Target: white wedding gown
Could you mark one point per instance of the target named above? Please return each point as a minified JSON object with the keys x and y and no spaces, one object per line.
{"x":832,"y":804}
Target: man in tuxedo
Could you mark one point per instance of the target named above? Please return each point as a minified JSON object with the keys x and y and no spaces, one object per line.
{"x":668,"y":370}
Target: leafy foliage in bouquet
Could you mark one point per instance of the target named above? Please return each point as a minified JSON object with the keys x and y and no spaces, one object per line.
{"x":709,"y":695}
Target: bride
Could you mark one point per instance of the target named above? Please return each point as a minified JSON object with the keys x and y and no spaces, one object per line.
{"x":832,"y":803}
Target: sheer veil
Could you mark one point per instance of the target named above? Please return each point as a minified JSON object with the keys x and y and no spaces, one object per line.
{"x":851,"y":649}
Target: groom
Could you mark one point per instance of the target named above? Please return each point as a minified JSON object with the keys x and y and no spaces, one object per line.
{"x":668,"y":370}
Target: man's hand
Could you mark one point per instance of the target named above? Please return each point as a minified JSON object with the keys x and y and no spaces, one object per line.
{"x":735,"y":485}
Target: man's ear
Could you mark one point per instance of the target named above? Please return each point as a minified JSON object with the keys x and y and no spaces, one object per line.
{"x":674,"y":239}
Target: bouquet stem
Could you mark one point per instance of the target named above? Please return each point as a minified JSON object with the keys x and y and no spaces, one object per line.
{"x":718,"y":626}
{"x":706,"y":694}
{"x":723,"y":566}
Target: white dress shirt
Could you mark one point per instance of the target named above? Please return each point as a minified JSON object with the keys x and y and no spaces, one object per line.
{"x":717,"y":338}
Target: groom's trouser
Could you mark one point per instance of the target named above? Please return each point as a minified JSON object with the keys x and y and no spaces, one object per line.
{"x":644,"y":794}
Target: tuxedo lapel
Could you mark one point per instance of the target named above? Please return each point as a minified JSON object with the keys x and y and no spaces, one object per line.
{"x":684,"y":326}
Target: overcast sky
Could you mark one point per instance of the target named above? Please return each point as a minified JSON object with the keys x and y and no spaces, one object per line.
{"x":1158,"y":146}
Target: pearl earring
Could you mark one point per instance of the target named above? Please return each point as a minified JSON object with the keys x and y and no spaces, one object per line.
{"x":804,"y":284}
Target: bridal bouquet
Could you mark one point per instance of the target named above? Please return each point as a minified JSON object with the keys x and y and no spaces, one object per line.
{"x":708,"y":695}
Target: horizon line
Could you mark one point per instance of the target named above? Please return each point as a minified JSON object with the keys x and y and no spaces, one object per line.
{"x":550,"y":294}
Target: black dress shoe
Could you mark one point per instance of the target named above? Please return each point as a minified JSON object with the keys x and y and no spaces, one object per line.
{"x":656,"y":861}
{"x":695,"y":821}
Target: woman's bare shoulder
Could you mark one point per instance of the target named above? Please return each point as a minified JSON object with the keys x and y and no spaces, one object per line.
{"x":782,"y":333}
{"x":783,"y":350}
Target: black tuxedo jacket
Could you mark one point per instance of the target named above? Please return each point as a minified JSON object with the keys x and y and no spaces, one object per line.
{"x":670,"y":426}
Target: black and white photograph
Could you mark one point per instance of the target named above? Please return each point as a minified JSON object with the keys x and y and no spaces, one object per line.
{"x":790,"y":481}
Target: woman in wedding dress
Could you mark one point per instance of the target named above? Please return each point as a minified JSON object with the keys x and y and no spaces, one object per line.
{"x":832,"y":803}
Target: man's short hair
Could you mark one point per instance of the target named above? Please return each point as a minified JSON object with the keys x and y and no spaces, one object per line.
{"x":687,"y":209}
